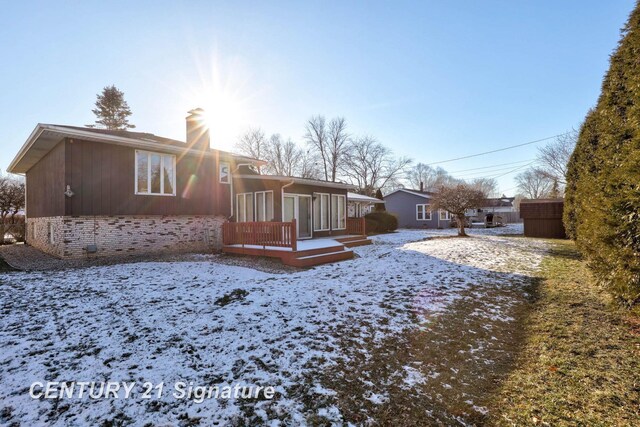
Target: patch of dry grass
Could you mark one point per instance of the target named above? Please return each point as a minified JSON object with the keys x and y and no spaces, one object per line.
{"x":461,"y":357}
{"x":581,"y":361}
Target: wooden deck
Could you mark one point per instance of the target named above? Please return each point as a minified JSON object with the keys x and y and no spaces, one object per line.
{"x":278,"y":240}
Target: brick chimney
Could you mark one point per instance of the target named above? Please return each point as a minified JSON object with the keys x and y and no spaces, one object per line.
{"x":197,"y":130}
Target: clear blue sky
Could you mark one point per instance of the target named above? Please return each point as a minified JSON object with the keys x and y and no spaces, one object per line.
{"x":431,"y":79}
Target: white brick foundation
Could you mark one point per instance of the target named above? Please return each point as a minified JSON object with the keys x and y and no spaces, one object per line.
{"x":124,"y":235}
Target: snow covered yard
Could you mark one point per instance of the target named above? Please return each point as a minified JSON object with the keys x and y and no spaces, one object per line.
{"x":411,"y":329}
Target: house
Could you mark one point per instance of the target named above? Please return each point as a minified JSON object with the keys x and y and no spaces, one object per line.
{"x":109,"y":192}
{"x":413,"y":209}
{"x":503,"y":207}
{"x":543,"y":218}
{"x":358,"y":205}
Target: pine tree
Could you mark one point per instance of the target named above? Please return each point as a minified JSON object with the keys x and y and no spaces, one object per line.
{"x":379,"y":206}
{"x":603,"y":188}
{"x":112,"y":111}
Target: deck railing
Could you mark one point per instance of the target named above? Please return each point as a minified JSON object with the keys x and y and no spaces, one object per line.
{"x":356,"y":226}
{"x":281,"y":234}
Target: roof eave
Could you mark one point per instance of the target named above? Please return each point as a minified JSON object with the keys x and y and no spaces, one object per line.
{"x":117,"y":140}
{"x":302,"y":181}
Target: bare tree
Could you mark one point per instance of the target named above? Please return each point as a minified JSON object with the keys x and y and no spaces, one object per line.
{"x":431,"y":178}
{"x":338,"y":137}
{"x":534,"y":183}
{"x":253,"y":143}
{"x":283,"y":157}
{"x":421,"y":174}
{"x":309,"y":166}
{"x":457,"y":199}
{"x":488,"y":186}
{"x":370,"y":165}
{"x":317,"y":138}
{"x":554,"y":157}
{"x":12,"y":201}
{"x":329,"y":140}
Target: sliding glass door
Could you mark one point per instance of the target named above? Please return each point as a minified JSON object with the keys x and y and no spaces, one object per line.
{"x":298,"y":206}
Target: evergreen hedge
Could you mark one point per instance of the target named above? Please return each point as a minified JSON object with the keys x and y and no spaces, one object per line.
{"x":602,"y":200}
{"x":381,"y":222}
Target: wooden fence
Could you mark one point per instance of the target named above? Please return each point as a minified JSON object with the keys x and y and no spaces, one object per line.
{"x":280,"y":234}
{"x":356,"y":226}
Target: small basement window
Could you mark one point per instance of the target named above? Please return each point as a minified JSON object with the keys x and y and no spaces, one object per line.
{"x":155,"y":173}
{"x":50,"y":233}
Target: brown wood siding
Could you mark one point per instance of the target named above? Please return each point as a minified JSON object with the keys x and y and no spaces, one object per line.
{"x":543,"y":218}
{"x":551,"y":228}
{"x":103,"y":179}
{"x":541,"y":208}
{"x":46,"y":185}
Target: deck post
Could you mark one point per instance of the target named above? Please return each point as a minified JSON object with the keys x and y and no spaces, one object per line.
{"x":363,"y":224}
{"x":294,"y":235}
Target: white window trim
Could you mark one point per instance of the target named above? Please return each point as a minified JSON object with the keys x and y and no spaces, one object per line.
{"x":162,"y":155}
{"x":425,"y":211}
{"x":319,"y":196}
{"x":344,"y":213}
{"x":264,"y":205}
{"x":244,"y":211}
{"x":447,"y":215}
{"x":228,"y":173}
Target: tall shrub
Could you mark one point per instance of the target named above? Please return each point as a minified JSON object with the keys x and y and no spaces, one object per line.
{"x":603,"y":191}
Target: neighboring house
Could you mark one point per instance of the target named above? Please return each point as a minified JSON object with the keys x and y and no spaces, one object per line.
{"x":503,"y":207}
{"x":413,"y":209}
{"x":360,"y":205}
{"x":104,"y":192}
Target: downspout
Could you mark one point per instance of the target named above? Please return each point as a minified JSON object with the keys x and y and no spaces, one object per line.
{"x":282,"y":210}
{"x":282,"y":200}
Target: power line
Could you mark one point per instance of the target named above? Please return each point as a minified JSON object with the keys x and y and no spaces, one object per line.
{"x":514,"y":170}
{"x":499,"y":149}
{"x":499,"y":175}
{"x":491,"y":166}
{"x":490,"y":171}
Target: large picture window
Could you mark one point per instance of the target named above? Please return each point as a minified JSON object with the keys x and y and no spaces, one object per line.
{"x":264,"y":206}
{"x":321,"y":212}
{"x":423,"y":213}
{"x":244,"y":207}
{"x":338,"y":217}
{"x":155,"y":173}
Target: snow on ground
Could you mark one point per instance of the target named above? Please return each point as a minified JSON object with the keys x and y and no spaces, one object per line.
{"x":215,"y":324}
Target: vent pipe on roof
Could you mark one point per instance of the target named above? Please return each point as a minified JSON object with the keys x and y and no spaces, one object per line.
{"x":197,"y":130}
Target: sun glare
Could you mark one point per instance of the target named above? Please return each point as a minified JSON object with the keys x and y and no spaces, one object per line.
{"x":222,"y":92}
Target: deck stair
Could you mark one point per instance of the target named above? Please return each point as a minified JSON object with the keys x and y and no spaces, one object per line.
{"x":279,"y":240}
{"x":308,"y":253}
{"x":353,"y":241}
{"x":310,"y":258}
